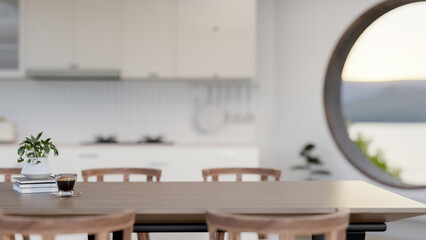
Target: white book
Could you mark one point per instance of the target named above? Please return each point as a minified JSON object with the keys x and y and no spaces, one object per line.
{"x":34,"y":190}
{"x":36,"y":185}
{"x":24,"y":180}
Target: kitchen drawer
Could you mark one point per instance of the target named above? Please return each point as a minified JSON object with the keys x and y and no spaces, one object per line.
{"x":177,"y":163}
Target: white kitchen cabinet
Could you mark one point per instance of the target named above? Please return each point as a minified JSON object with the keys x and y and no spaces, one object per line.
{"x":189,"y":39}
{"x":216,"y":39}
{"x":49,"y":30}
{"x":97,"y":34}
{"x":62,"y":34}
{"x":149,"y":39}
{"x":178,"y":163}
{"x":184,"y":39}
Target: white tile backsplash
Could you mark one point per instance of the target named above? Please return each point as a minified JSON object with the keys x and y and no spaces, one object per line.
{"x":76,"y":111}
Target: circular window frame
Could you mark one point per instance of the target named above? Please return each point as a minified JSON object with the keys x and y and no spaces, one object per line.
{"x":332,"y":94}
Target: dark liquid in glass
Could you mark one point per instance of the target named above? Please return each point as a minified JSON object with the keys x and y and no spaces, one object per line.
{"x":65,"y":185}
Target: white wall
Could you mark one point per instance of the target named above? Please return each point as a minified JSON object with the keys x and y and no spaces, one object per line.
{"x":296,"y":39}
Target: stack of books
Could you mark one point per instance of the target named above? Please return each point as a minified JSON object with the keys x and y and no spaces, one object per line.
{"x":25,"y":185}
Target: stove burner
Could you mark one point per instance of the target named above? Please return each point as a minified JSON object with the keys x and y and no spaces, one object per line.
{"x":149,"y":139}
{"x":100,"y":139}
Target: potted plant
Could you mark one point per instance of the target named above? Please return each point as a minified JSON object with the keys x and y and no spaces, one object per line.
{"x":310,"y":162}
{"x":34,"y":151}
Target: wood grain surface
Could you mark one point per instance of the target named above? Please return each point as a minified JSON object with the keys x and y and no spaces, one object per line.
{"x":99,"y":226}
{"x":332,"y":225}
{"x":186,"y":202}
{"x":126,"y":172}
{"x":263,"y":172}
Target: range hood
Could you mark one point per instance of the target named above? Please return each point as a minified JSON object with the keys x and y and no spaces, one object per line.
{"x":63,"y":74}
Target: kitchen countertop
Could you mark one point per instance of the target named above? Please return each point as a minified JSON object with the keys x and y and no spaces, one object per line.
{"x":124,"y":144}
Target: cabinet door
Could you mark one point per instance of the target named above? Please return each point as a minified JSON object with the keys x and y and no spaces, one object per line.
{"x":49,"y":33}
{"x":97,"y":34}
{"x":205,"y":14}
{"x":149,"y":38}
{"x":216,"y":39}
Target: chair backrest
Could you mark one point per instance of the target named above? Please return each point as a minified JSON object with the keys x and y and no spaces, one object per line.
{"x":126,"y":172}
{"x":100,"y":226}
{"x":332,"y":225}
{"x":263,"y":172}
{"x":8,"y":172}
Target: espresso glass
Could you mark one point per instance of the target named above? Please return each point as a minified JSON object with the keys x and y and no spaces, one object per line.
{"x":66,"y":182}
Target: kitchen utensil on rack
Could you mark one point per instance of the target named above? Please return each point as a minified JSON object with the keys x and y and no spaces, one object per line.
{"x":228,"y":104}
{"x":248,"y":115}
{"x":239,"y":109}
{"x":209,"y":117}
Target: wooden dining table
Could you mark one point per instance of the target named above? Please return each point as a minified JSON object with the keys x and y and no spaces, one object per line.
{"x":180,"y":206}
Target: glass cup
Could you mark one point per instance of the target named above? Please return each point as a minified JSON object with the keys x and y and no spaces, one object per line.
{"x":66,"y":182}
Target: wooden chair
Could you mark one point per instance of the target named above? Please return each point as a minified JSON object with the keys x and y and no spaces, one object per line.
{"x":333,"y":225}
{"x":99,"y":226}
{"x":263,"y":172}
{"x":101,"y":172}
{"x":126,"y":172}
{"x":8,"y":172}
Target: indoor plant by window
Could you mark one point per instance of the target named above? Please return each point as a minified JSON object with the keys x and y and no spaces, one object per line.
{"x":310,"y":162}
{"x":34,"y":151}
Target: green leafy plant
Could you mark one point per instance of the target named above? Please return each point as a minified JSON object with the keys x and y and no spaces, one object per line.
{"x":34,"y":147}
{"x":377,"y":157}
{"x":310,"y":162}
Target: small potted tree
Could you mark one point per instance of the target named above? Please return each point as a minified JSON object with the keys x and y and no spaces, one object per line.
{"x":310,"y":162}
{"x":34,"y":152}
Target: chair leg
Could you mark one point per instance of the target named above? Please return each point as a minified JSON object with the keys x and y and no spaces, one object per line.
{"x":262,"y":236}
{"x":220,"y":235}
{"x":143,"y":236}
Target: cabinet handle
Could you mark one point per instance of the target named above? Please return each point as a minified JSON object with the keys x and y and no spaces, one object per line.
{"x":158,"y":164}
{"x":73,"y":66}
{"x":216,"y":29}
{"x":88,"y":155}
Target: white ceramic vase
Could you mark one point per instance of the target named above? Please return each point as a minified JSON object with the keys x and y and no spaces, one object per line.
{"x":34,"y":170}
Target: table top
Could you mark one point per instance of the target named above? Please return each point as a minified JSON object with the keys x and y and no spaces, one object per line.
{"x":185,"y":202}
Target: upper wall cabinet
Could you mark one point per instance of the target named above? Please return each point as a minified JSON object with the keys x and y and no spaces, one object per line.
{"x":97,"y":33}
{"x":216,"y":39}
{"x":189,"y":39}
{"x":176,"y":39}
{"x":149,"y":39}
{"x":63,"y":34}
{"x":48,"y":33}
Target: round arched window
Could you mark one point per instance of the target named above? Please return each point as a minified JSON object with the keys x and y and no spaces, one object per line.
{"x":375,"y":93}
